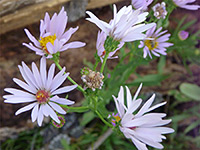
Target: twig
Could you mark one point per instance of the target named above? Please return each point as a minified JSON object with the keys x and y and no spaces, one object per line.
{"x":101,"y":139}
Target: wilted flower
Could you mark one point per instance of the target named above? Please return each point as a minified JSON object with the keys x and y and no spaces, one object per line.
{"x":53,"y":37}
{"x":184,"y":4}
{"x":42,"y":90}
{"x":156,"y":45}
{"x":183,"y":35}
{"x":142,"y":4}
{"x":101,"y":37}
{"x":125,"y":26}
{"x":92,"y":79}
{"x":160,"y":10}
{"x":141,"y":127}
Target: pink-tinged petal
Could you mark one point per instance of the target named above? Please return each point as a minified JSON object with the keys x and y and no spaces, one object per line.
{"x":34,"y":113}
{"x":146,"y":106}
{"x":32,"y":38}
{"x":67,"y":35}
{"x":50,"y":76}
{"x":25,"y":86}
{"x":47,"y":22}
{"x":43,"y":71}
{"x":53,"y":24}
{"x":30,"y":46}
{"x":50,"y":48}
{"x":52,"y":113}
{"x":155,"y":53}
{"x":137,"y":92}
{"x":191,"y":7}
{"x":74,"y":44}
{"x":57,"y":108}
{"x":128,"y":97}
{"x":37,"y":75}
{"x":26,"y":108}
{"x":62,"y":101}
{"x":17,"y":92}
{"x":40,"y":117}
{"x":132,"y":36}
{"x":16,"y":100}
{"x":64,"y":89}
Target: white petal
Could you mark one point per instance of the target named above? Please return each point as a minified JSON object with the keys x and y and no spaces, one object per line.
{"x":43,"y":71}
{"x":17,"y":92}
{"x":50,"y":76}
{"x":64,"y":89}
{"x":34,"y":113}
{"x":25,"y":86}
{"x":52,"y":113}
{"x":146,"y":106}
{"x":128,"y":97}
{"x":137,"y":92}
{"x":57,"y":108}
{"x":16,"y":100}
{"x":40,"y":117}
{"x":26,"y":108}
{"x":62,"y":101}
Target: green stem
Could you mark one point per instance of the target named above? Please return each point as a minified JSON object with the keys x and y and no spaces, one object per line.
{"x":104,"y":62}
{"x":69,"y":78}
{"x":104,"y":121}
{"x":95,"y":65}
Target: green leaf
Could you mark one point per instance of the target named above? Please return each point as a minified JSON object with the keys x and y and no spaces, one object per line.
{"x":152,"y":79}
{"x":87,"y":117}
{"x":161,"y":64}
{"x":191,"y":90}
{"x":191,"y":126}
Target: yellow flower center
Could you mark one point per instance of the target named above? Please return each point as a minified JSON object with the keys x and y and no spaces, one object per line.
{"x":45,"y":40}
{"x":151,"y":44}
{"x":42,"y":96}
{"x":117,"y":119}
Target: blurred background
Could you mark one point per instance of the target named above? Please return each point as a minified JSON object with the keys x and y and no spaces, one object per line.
{"x":19,"y":133}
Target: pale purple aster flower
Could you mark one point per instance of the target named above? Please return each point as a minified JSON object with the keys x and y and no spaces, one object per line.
{"x":125,"y":25}
{"x":142,"y":127}
{"x":183,"y":35}
{"x":160,"y":10}
{"x":101,"y":37}
{"x":142,"y":4}
{"x":184,"y":4}
{"x":42,"y":90}
{"x":156,"y":45}
{"x":53,"y":37}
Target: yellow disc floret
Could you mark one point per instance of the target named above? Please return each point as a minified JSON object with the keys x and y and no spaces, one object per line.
{"x":151,"y":44}
{"x":45,"y":40}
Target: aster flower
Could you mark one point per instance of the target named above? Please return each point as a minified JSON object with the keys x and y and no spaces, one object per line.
{"x":141,"y":127}
{"x":156,"y":45}
{"x":101,"y":37}
{"x":183,"y":35}
{"x":142,"y":4}
{"x":160,"y":10}
{"x":184,"y":4}
{"x":53,"y":37}
{"x":125,"y":26}
{"x":42,"y":90}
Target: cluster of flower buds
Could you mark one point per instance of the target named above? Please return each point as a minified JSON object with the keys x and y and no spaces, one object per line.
{"x":160,"y":10}
{"x":92,"y":79}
